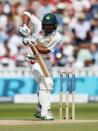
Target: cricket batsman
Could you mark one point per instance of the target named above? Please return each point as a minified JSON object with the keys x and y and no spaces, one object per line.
{"x":46,"y":38}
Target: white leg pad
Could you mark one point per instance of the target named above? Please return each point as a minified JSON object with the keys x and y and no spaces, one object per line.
{"x":49,"y":83}
{"x":44,"y":98}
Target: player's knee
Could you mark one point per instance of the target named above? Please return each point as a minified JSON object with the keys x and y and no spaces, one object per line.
{"x":49,"y":83}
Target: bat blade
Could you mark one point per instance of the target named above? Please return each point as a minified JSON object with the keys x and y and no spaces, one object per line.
{"x":40,"y":60}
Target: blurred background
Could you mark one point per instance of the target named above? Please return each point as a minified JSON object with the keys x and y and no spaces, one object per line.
{"x":78,"y":52}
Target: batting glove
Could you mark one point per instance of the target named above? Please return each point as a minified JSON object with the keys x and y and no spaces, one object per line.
{"x":27,"y":39}
{"x":24,"y":30}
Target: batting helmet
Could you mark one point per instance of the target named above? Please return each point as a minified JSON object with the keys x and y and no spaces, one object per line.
{"x":49,"y":23}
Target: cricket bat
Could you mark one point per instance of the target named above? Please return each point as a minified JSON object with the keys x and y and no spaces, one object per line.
{"x":61,"y":97}
{"x":39,"y":59}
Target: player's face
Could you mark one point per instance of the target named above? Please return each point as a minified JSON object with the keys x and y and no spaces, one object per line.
{"x":48,"y":29}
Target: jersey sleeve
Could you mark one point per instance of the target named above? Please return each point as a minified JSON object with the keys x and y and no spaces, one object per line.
{"x":35,"y":22}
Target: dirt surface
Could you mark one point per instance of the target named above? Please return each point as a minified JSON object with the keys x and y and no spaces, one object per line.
{"x":32,"y":122}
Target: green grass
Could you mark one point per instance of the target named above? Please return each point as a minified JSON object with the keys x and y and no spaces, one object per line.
{"x":17,"y":111}
{"x":26,"y":112}
{"x":82,"y":111}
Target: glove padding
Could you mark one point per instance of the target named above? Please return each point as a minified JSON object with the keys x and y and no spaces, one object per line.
{"x":24,"y":30}
{"x":27,"y":39}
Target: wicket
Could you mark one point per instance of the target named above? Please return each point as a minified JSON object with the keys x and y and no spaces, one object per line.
{"x":70,"y":89}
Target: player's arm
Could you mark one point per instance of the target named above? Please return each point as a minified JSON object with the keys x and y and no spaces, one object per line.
{"x":24,"y":29}
{"x":42,"y":49}
{"x":50,"y":46}
{"x":26,"y":19}
{"x":36,"y":23}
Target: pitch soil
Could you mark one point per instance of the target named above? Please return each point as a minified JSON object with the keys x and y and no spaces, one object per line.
{"x":39,"y":122}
